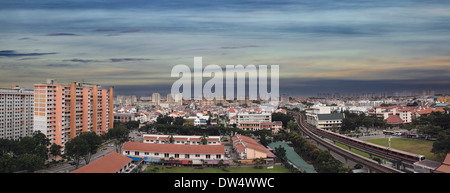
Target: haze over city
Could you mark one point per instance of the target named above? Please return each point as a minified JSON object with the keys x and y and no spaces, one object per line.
{"x":321,"y":46}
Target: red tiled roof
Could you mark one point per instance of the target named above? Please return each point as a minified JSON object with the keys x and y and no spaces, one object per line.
{"x":111,"y":163}
{"x":445,"y":167}
{"x":173,"y":148}
{"x":394,"y":119}
{"x":251,"y":143}
{"x":429,"y":110}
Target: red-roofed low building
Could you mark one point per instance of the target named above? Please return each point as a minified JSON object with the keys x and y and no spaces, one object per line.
{"x":111,"y":163}
{"x":394,"y":120}
{"x":428,"y":111}
{"x":249,"y":149}
{"x":181,"y":139}
{"x":155,"y":152}
{"x":445,"y":167}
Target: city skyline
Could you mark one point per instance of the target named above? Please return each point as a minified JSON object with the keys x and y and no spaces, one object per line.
{"x":320,"y":46}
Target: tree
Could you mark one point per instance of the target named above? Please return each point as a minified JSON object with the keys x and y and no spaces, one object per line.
{"x":171,"y":140}
{"x":291,"y":125}
{"x":204,"y":141}
{"x":171,"y":160}
{"x":55,"y":150}
{"x":76,"y":149}
{"x":119,"y":135}
{"x":178,"y":121}
{"x":30,"y":162}
{"x":284,"y":118}
{"x":280,"y":152}
{"x":442,"y":146}
{"x":94,"y":141}
{"x":258,"y":162}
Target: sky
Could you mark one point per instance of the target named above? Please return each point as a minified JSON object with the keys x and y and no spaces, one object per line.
{"x":320,"y":45}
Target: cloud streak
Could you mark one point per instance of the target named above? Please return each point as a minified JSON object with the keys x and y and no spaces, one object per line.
{"x":13,"y":53}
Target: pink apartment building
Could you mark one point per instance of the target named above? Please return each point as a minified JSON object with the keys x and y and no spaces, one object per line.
{"x":62,"y":112}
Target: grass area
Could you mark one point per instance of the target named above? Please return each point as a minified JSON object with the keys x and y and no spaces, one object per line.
{"x":163,"y":169}
{"x":420,"y":147}
{"x":355,"y":151}
{"x":416,"y":146}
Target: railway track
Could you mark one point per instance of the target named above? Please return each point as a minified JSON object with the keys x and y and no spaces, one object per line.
{"x":371,"y":164}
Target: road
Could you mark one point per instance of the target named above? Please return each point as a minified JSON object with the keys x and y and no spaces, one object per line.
{"x":66,"y":167}
{"x":108,"y":148}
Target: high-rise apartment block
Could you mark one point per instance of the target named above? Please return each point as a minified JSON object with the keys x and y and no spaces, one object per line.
{"x":64,"y":111}
{"x":156,"y":98}
{"x":16,"y":112}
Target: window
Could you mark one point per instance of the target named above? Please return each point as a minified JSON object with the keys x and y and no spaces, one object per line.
{"x":186,"y":155}
{"x":197,"y":155}
{"x":177,"y":155}
{"x":208,"y":156}
{"x":127,"y":152}
{"x":166,"y":155}
{"x":156,"y":154}
{"x":136,"y":153}
{"x":218,"y":156}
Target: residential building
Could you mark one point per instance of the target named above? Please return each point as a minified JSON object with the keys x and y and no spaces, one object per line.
{"x":248,"y":149}
{"x":124,"y":117}
{"x":62,"y":112}
{"x":156,"y":98}
{"x":329,"y":121}
{"x":111,"y":163}
{"x":16,"y":112}
{"x":181,"y":139}
{"x":184,"y":153}
{"x":254,"y":126}
{"x":246,"y":116}
{"x":311,"y":114}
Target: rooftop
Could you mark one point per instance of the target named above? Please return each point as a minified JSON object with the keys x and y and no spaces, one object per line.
{"x":174,"y":148}
{"x":334,"y":116}
{"x":111,"y":163}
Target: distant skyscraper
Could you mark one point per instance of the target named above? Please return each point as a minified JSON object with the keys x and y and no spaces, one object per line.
{"x":64,"y":111}
{"x":170,"y":98}
{"x":16,"y":112}
{"x":156,"y":98}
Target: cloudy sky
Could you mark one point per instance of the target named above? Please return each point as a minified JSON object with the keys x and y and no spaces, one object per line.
{"x":320,"y":45}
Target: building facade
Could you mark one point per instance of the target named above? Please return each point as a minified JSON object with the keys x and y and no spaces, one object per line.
{"x":181,"y":139}
{"x":247,"y":148}
{"x":62,"y":112}
{"x":156,"y":151}
{"x":16,"y":112}
{"x":254,"y":117}
{"x":156,"y":98}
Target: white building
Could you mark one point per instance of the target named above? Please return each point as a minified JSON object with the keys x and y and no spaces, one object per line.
{"x":311,"y":114}
{"x":329,"y":121}
{"x":184,"y":153}
{"x":16,"y":112}
{"x":156,"y":98}
{"x":253,"y":117}
{"x":181,"y":139}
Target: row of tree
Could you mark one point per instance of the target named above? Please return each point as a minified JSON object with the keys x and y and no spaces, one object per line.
{"x":322,"y":161}
{"x":83,"y":146}
{"x":28,"y":154}
{"x":352,"y":121}
{"x":435,"y":125}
